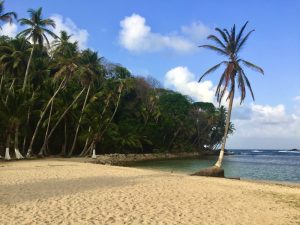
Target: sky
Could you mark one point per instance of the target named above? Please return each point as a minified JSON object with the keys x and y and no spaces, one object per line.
{"x":161,"y":38}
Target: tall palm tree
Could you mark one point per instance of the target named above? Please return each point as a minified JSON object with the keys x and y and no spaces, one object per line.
{"x":6,"y":17}
{"x":62,"y":45}
{"x":229,"y":44}
{"x":12,"y":114}
{"x":65,"y":67}
{"x":13,"y":58}
{"x":90,"y":68}
{"x":37,"y":33}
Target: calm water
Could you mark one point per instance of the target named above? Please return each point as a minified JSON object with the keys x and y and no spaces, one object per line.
{"x":276,"y":165}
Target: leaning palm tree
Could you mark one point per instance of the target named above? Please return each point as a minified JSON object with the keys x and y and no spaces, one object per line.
{"x":6,"y":17}
{"x":90,"y":69}
{"x":13,"y":60}
{"x":65,"y":66}
{"x":229,"y":45}
{"x":37,"y":33}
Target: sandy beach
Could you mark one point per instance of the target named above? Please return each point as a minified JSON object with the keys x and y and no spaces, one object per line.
{"x":66,"y":192}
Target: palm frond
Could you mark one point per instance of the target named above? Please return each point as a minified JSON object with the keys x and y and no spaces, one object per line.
{"x":243,"y":41}
{"x":248,"y":85}
{"x":233,"y":34}
{"x":212,"y":69}
{"x":232,"y":87}
{"x":222,"y":34}
{"x":253,"y":66}
{"x":24,"y":33}
{"x":47,"y":41}
{"x":241,"y":33}
{"x":227,"y":34}
{"x":241,"y":86}
{"x":48,"y":22}
{"x":25,"y":21}
{"x":8,"y":17}
{"x":52,"y":34}
{"x":214,"y":48}
{"x":220,"y":83}
{"x":216,"y":40}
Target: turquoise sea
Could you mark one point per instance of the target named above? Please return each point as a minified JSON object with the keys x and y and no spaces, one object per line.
{"x":275,"y":165}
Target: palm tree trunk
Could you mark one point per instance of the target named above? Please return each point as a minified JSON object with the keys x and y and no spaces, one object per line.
{"x":17,"y":152}
{"x":86,"y":144}
{"x":79,"y":121}
{"x":116,"y":108}
{"x":221,"y":156}
{"x":41,"y":118}
{"x":91,"y":147}
{"x":27,"y":68}
{"x":173,"y":139}
{"x":27,"y":124}
{"x":7,"y":155}
{"x":2,"y":79}
{"x":64,"y":146}
{"x":9,"y":89}
{"x":63,"y":115}
{"x":44,"y":147}
{"x":88,"y":150}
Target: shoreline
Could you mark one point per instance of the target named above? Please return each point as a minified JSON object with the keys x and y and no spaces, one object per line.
{"x":117,"y":159}
{"x":106,"y":160}
{"x":126,"y":161}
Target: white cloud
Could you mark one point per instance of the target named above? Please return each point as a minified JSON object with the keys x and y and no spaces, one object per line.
{"x":182,"y":80}
{"x":297,"y":98}
{"x":257,"y":126}
{"x":9,"y":30}
{"x":196,"y":30}
{"x":66,"y":24}
{"x":266,"y":126}
{"x":136,"y":36}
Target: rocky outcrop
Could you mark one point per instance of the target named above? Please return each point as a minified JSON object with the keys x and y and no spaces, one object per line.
{"x":127,"y":159}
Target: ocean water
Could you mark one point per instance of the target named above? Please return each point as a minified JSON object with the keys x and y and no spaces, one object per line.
{"x":274,"y":165}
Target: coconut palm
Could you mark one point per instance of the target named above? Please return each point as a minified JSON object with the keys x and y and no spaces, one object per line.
{"x":13,"y":58}
{"x":62,"y":45}
{"x":90,"y":69}
{"x":6,"y":17}
{"x":12,"y":114}
{"x":229,"y":44}
{"x":64,"y":111}
{"x":37,"y":33}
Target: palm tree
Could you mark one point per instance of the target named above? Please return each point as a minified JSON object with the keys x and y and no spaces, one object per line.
{"x":6,"y":17}
{"x":13,"y":58}
{"x":37,"y":32}
{"x":89,"y":69}
{"x":65,"y":67}
{"x":12,"y":113}
{"x":62,"y":44}
{"x":229,"y":45}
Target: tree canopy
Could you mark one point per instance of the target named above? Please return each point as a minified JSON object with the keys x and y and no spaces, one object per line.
{"x":76,"y":100}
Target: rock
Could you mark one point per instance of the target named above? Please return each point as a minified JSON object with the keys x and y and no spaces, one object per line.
{"x":210,"y":172}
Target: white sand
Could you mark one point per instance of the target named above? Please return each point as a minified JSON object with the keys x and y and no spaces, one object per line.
{"x":60,"y":192}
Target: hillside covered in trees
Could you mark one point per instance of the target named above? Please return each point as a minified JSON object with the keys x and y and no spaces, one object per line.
{"x":59,"y":100}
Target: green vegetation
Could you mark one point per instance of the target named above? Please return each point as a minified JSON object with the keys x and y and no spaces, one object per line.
{"x":58,"y":100}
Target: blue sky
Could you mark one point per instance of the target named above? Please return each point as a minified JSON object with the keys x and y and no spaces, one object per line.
{"x":160,"y":38}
